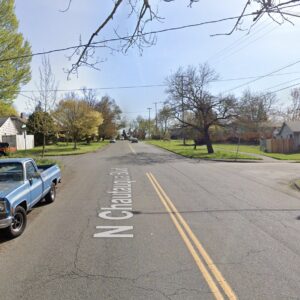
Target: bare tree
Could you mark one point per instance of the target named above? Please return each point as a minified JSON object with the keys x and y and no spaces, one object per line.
{"x":45,"y":99}
{"x":90,"y":97}
{"x":293,"y":111}
{"x":253,"y":115}
{"x":196,"y":100}
{"x":165,"y":115}
{"x":143,"y":13}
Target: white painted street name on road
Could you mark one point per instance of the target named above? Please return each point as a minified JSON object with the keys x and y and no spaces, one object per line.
{"x":120,"y":208}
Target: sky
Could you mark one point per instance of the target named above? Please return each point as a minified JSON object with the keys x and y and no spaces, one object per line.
{"x":266,"y":48}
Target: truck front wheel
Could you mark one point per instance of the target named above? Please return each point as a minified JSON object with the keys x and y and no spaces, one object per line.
{"x":18,"y":224}
{"x":50,"y":197}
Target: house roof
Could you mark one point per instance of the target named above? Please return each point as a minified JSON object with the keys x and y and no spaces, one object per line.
{"x":293,"y":125}
{"x":3,"y":120}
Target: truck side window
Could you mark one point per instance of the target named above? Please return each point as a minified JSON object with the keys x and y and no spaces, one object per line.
{"x":30,"y":170}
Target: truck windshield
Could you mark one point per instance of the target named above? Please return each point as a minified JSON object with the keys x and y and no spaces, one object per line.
{"x":11,"y":171}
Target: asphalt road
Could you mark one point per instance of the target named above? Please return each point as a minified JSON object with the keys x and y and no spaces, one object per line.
{"x":183,"y":229}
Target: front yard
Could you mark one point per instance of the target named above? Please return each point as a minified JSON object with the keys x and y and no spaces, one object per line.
{"x":57,"y":150}
{"x":222,"y":151}
{"x":255,"y":150}
{"x":177,"y":147}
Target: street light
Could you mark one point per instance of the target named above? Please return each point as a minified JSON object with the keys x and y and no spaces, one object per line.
{"x":24,"y":132}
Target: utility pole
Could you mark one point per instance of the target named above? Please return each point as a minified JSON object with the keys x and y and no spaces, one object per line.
{"x":149,"y":108}
{"x":182,"y":110}
{"x":156,"y":129}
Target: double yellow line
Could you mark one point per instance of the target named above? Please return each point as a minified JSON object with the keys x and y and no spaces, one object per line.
{"x":209,"y":270}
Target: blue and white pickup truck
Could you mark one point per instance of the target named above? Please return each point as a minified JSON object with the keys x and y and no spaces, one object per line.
{"x":22,"y":185}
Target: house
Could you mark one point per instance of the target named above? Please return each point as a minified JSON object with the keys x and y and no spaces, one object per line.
{"x":290,"y":130}
{"x":8,"y":126}
{"x":12,"y":132}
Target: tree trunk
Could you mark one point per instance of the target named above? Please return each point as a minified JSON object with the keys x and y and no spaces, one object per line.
{"x":44,"y":143}
{"x":75,"y":142}
{"x":209,"y":146}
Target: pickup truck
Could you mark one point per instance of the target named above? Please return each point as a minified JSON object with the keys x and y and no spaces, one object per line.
{"x":22,"y":185}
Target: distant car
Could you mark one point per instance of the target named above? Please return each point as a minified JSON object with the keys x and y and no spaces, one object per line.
{"x":121,"y":138}
{"x":112,"y":141}
{"x":134,"y":140}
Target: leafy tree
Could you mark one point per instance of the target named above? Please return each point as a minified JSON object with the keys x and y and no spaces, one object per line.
{"x":14,"y":54}
{"x":77,"y":118}
{"x":140,"y":127}
{"x":7,"y":110}
{"x":188,"y":91}
{"x":41,"y":124}
{"x":111,"y":114}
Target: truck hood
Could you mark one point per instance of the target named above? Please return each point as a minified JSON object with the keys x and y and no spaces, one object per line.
{"x":8,"y":187}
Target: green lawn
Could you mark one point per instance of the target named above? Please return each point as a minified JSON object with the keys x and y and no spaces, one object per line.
{"x":177,"y":147}
{"x":61,"y":149}
{"x":242,"y":148}
{"x":255,"y":150}
{"x":57,"y":150}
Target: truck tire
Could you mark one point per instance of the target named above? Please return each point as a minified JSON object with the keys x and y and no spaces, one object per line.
{"x":18,"y":224}
{"x":50,"y":197}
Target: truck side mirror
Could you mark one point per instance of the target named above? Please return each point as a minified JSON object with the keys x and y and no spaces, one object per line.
{"x":37,"y":175}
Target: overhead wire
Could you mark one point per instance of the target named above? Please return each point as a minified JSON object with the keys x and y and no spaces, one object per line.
{"x":263,"y":76}
{"x":237,"y":42}
{"x":125,"y":37}
{"x":144,"y":86}
{"x":246,"y":45}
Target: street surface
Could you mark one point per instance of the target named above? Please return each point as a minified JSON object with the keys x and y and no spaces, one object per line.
{"x":137,"y":222}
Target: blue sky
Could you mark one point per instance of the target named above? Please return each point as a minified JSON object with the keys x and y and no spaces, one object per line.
{"x":267,"y":48}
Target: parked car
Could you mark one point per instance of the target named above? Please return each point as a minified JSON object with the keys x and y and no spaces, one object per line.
{"x":112,"y":141}
{"x":22,"y":185}
{"x":5,"y":149}
{"x":134,"y":140}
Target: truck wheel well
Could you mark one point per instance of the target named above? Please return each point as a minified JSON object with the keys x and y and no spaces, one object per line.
{"x":24,"y":205}
{"x":55,"y":181}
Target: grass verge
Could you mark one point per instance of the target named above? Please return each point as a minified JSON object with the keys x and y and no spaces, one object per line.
{"x":256,"y":150}
{"x":177,"y":147}
{"x":59,"y":149}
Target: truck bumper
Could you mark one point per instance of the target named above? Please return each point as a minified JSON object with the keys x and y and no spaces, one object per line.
{"x":5,"y":222}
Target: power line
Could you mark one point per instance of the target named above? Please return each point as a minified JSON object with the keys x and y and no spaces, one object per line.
{"x":287,"y":87}
{"x":145,"y":86}
{"x":283,"y":83}
{"x":238,"y":41}
{"x":125,"y":37}
{"x":247,"y":44}
{"x":98,"y":88}
{"x":252,"y":77}
{"x":264,"y":76}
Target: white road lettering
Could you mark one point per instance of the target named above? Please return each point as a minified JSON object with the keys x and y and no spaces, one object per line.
{"x":120,"y":207}
{"x":113,"y":232}
{"x":107,"y":215}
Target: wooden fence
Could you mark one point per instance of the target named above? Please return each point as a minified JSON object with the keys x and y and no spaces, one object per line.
{"x":278,"y":145}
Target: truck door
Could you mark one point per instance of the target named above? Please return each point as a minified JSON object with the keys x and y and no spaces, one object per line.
{"x":36,"y":183}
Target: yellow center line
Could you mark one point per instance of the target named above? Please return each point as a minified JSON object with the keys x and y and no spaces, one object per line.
{"x":215,"y":290}
{"x":213,"y":268}
{"x":131,"y":148}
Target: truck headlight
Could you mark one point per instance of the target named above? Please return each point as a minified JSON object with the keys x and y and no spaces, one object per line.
{"x":2,"y":207}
